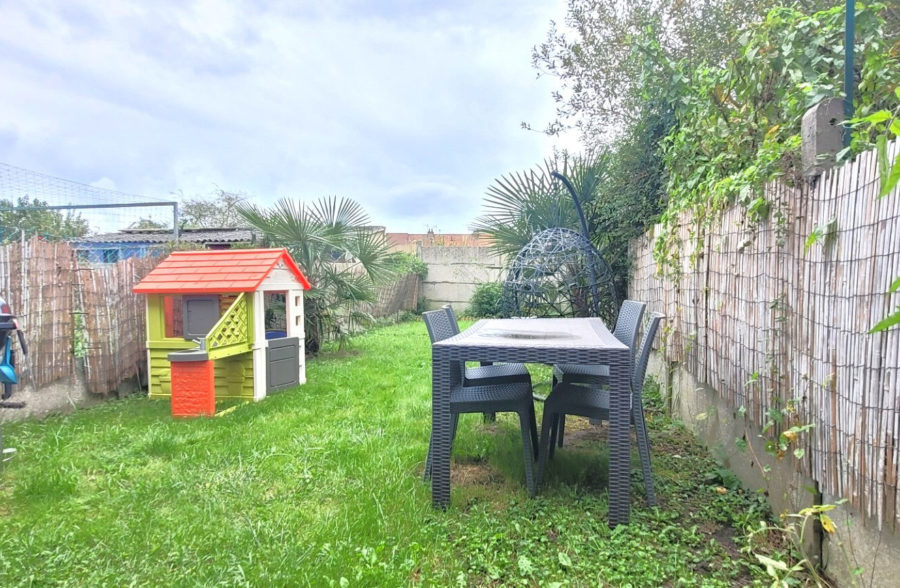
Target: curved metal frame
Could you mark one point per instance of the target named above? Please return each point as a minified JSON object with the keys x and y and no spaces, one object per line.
{"x":559,"y":273}
{"x":551,"y":275}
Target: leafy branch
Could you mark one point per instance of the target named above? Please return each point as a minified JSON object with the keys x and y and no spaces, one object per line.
{"x":886,"y":124}
{"x":893,"y":318}
{"x":794,"y":529}
{"x":738,"y":123}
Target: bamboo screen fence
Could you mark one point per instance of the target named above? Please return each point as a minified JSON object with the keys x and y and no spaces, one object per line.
{"x":36,"y":279}
{"x":72,"y":312}
{"x":114,"y":322}
{"x":398,"y":296}
{"x":767,"y":319}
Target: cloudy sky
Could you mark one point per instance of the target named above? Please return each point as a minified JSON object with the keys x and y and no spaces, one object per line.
{"x":411,"y":107}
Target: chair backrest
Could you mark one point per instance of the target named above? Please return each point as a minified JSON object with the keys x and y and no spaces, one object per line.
{"x":629,"y":323}
{"x":440,"y":327}
{"x":643,"y":357}
{"x":454,"y":324}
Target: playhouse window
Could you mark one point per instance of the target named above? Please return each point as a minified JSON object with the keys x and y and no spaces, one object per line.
{"x":174,"y":320}
{"x":199,"y":315}
{"x":192,"y":316}
{"x":275,"y":306}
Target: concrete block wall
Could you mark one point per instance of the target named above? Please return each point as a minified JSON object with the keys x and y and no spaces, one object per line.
{"x":454,"y":272}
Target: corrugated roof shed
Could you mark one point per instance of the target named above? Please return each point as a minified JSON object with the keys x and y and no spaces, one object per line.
{"x":222,"y":235}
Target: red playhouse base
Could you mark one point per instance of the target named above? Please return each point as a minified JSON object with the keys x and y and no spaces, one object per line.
{"x":193,"y":388}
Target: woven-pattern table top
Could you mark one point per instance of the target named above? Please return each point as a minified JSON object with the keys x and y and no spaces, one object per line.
{"x":552,"y":333}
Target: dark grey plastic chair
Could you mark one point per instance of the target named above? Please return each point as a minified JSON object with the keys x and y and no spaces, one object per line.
{"x":593,"y":402}
{"x":628,"y":324}
{"x":509,"y":397}
{"x":488,"y":374}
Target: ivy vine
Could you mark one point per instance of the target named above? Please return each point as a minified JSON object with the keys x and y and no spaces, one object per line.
{"x":886,"y":124}
{"x":738,"y":123}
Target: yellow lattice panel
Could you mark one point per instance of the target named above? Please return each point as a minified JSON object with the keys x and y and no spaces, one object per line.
{"x":233,"y":333}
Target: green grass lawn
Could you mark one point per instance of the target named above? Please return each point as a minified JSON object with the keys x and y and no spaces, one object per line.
{"x":321,"y":486}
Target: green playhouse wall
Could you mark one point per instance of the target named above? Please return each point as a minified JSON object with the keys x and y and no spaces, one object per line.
{"x":234,"y":374}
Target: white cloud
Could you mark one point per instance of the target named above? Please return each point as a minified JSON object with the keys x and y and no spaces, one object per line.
{"x":105,"y":183}
{"x":410,"y":108}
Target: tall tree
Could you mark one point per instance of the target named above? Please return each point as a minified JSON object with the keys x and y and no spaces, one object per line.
{"x":147,"y":223}
{"x":333,"y":244}
{"x":30,"y":217}
{"x":220,"y":211}
{"x":599,"y":67}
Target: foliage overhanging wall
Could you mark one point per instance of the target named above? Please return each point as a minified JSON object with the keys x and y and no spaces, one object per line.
{"x":771,"y":318}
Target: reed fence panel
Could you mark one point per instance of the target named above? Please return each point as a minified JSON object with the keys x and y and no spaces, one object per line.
{"x":36,"y":279}
{"x":400,"y":295}
{"x":773,"y":321}
{"x":114,"y":324}
{"x":71,"y":311}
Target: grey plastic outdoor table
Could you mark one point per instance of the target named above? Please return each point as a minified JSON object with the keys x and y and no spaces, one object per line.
{"x":536,"y":340}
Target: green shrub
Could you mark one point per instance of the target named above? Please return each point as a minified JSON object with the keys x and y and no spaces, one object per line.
{"x":486,"y":300}
{"x":406,"y":263}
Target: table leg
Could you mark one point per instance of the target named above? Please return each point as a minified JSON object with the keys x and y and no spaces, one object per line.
{"x":442,"y":432}
{"x":619,"y":445}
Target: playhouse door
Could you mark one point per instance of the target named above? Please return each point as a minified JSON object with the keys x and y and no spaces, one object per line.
{"x":282,"y":363}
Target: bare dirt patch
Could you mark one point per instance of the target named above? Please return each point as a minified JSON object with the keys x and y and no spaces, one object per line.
{"x":474,"y":473}
{"x":60,"y":397}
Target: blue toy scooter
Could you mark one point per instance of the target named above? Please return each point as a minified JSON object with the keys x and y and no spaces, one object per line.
{"x":8,"y":376}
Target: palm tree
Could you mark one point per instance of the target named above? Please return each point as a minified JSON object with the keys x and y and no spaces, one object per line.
{"x":519,"y":205}
{"x":335,"y":246}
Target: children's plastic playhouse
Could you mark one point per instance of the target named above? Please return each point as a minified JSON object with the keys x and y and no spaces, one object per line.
{"x":223,"y":324}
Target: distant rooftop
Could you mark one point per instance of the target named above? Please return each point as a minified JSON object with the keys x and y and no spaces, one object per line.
{"x":399,"y":240}
{"x":204,"y":236}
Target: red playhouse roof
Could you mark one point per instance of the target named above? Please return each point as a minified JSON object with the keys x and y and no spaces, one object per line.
{"x":212,"y":272}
